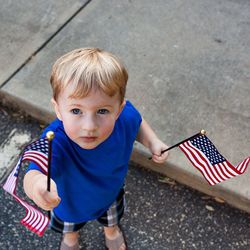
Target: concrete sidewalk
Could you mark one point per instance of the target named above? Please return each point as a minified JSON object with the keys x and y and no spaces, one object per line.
{"x":188,"y":63}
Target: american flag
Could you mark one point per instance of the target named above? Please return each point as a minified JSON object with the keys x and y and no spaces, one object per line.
{"x":37,"y":152}
{"x":205,"y":157}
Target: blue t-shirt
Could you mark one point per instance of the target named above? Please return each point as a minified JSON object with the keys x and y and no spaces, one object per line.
{"x":88,"y":181}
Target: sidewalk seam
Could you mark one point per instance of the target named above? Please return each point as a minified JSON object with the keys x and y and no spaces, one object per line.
{"x":44,"y":44}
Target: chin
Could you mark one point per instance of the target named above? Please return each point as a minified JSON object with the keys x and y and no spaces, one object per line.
{"x":88,"y":145}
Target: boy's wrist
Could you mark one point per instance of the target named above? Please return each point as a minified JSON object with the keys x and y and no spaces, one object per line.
{"x":152,"y":142}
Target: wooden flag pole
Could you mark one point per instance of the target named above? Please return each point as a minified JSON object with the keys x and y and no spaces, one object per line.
{"x":50,"y":136}
{"x":202,"y":132}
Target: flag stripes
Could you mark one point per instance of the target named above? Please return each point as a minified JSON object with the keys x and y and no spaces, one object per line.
{"x":205,"y":157}
{"x":37,"y":152}
{"x":38,"y":158}
{"x":198,"y":162}
{"x":34,"y":220}
{"x":242,"y":167}
{"x":10,"y":184}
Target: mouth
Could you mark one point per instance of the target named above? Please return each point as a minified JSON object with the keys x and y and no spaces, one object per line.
{"x":89,"y":138}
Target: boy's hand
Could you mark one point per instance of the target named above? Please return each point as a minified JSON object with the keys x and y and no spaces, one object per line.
{"x":43,"y":198}
{"x":35,"y":186}
{"x":156,"y":147}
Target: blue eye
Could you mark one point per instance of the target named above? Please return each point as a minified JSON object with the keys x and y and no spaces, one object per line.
{"x":103,"y":111}
{"x":75,"y":111}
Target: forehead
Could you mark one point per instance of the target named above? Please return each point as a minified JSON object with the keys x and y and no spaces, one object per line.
{"x":94,"y":98}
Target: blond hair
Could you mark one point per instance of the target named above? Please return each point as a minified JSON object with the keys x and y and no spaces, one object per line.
{"x":89,"y":69}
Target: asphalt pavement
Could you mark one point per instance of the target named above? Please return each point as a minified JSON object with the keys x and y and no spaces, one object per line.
{"x":161,"y":214}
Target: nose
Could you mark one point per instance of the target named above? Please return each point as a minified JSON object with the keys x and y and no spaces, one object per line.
{"x":89,"y":123}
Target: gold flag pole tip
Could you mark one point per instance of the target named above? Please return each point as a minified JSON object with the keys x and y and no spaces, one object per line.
{"x":50,"y":135}
{"x":203,"y":132}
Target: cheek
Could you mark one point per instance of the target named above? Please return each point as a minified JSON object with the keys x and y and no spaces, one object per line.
{"x":106,"y":127}
{"x":71,"y":128}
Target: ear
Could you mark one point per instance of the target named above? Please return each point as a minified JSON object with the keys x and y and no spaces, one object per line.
{"x":121,"y":108}
{"x":56,"y":108}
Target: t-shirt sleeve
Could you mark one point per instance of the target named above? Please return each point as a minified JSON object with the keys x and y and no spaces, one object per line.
{"x":33,"y":166}
{"x":132,"y":117}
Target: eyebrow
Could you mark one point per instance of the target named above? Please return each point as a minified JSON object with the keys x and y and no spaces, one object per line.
{"x":101,"y":106}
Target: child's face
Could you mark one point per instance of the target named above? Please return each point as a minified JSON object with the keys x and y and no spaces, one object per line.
{"x":90,"y":120}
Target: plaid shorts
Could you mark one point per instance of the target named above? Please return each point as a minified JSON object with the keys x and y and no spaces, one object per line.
{"x":109,"y":218}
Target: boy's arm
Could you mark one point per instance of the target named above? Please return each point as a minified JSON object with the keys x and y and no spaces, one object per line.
{"x":149,"y":139}
{"x":35,"y":186}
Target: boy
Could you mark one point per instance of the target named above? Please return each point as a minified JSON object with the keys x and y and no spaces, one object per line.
{"x":94,"y":134}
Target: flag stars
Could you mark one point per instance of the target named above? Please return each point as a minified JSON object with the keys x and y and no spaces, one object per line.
{"x":41,"y":145}
{"x":206,"y":146}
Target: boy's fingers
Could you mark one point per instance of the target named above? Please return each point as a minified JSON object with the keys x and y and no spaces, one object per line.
{"x":157,"y":159}
{"x":47,"y":200}
{"x":160,"y":158}
{"x":43,"y":198}
{"x":52,"y":198}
